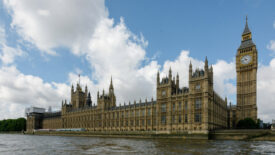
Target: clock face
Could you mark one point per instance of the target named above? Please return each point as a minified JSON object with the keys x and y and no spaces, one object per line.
{"x":246,"y":59}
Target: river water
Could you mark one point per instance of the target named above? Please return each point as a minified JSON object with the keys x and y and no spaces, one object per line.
{"x":50,"y":145}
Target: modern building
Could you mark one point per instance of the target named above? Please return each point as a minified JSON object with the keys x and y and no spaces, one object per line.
{"x":196,"y":109}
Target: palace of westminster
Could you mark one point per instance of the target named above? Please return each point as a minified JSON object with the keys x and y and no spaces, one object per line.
{"x":197,"y":109}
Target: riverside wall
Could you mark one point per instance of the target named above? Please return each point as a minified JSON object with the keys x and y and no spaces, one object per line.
{"x":255,"y":135}
{"x":243,"y":134}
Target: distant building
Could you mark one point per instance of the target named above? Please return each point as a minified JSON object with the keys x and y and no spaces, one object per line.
{"x":273,"y":125}
{"x":197,"y":109}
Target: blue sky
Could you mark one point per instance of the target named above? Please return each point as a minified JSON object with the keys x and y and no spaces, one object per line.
{"x":205,"y":28}
{"x":159,"y":34}
{"x":211,"y":28}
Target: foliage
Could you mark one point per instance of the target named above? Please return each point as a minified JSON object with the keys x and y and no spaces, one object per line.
{"x":247,"y":123}
{"x":13,"y":125}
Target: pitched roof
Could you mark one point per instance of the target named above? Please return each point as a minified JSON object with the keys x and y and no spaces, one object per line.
{"x":246,"y":29}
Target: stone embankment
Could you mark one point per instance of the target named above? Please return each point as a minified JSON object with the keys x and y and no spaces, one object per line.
{"x":254,"y":135}
{"x":243,"y":134}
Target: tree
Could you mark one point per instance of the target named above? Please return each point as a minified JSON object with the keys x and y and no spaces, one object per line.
{"x":13,"y":125}
{"x":247,"y":123}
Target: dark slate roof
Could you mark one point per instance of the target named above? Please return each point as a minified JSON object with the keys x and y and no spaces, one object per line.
{"x":164,"y":80}
{"x":132,"y":105}
{"x":246,"y":43}
{"x":246,"y":29}
{"x":198,"y":73}
{"x":52,"y":114}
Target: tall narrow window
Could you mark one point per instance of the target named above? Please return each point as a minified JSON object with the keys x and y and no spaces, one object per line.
{"x":179,"y":118}
{"x":137,"y":113}
{"x":126,"y":114}
{"x":149,"y":112}
{"x":179,"y":106}
{"x":163,"y":119}
{"x":148,"y":122}
{"x":163,"y":107}
{"x":198,"y":104}
{"x":174,"y":107}
{"x":185,"y":105}
{"x":186,"y":118}
{"x":197,"y":117}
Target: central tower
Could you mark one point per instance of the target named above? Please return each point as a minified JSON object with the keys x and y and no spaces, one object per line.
{"x":246,"y":68}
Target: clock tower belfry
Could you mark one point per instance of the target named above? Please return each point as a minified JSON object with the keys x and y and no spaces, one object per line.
{"x":246,"y":68}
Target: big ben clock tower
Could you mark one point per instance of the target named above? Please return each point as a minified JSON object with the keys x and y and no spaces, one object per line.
{"x":246,"y":67}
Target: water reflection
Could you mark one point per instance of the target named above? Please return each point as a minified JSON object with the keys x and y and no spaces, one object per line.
{"x":29,"y":144}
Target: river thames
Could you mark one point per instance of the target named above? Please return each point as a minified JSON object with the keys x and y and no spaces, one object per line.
{"x":50,"y":145}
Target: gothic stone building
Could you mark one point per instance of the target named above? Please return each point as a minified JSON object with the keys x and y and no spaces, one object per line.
{"x":197,"y":109}
{"x":246,"y":68}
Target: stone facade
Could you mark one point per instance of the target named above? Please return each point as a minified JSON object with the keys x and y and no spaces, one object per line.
{"x":197,"y":109}
{"x":246,"y":68}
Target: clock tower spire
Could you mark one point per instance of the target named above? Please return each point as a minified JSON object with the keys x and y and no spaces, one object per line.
{"x":246,"y":68}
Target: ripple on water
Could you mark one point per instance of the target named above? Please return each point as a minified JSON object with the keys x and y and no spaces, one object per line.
{"x":26,"y":144}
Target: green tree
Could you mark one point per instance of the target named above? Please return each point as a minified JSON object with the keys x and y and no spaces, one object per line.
{"x":247,"y":123}
{"x":13,"y":125}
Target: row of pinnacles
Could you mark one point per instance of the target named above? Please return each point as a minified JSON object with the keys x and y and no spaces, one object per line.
{"x":197,"y":75}
{"x":175,"y":108}
{"x":80,"y":99}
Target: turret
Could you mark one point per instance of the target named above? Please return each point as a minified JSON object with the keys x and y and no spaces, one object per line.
{"x":158,"y":79}
{"x":86,"y":90}
{"x":111,"y":88}
{"x":177,"y":82}
{"x":89,"y":100}
{"x":170,"y":75}
{"x":206,"y":65}
{"x":246,"y":33}
{"x":190,"y":70}
{"x":246,"y":38}
{"x":72,"y":90}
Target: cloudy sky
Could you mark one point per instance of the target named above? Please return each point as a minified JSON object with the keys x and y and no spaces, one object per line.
{"x":44,"y":45}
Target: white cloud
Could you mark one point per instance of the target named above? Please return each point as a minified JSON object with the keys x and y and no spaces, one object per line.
{"x":18,"y":91}
{"x":181,"y":66}
{"x":224,"y":74}
{"x":7,"y":53}
{"x":111,"y":49}
{"x":266,"y":91}
{"x":50,"y":24}
{"x":115,"y":51}
{"x":2,"y":35}
{"x":271,"y":45}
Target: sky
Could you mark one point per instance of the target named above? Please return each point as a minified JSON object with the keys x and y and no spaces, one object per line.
{"x":45,"y":45}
